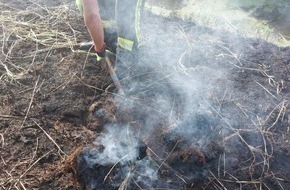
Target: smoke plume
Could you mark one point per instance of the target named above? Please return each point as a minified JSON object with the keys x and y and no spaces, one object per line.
{"x":182,"y":96}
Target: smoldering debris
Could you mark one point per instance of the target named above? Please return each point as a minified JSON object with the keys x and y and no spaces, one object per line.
{"x":181,"y":136}
{"x":119,"y":158}
{"x":187,"y":112}
{"x":176,"y":155}
{"x":116,"y":159}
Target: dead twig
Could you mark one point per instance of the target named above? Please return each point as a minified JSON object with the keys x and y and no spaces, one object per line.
{"x":251,"y":148}
{"x":113,"y":168}
{"x":167,"y":156}
{"x":135,"y":182}
{"x":167,"y":166}
{"x":232,"y":54}
{"x":2,"y":140}
{"x":50,"y":138}
{"x":31,"y":101}
{"x":63,"y":84}
{"x":35,"y":152}
{"x":29,"y":168}
{"x":125,"y":183}
{"x":242,"y":182}
{"x":266,"y":90}
{"x":9,"y":117}
{"x":277,"y":181}
{"x":249,"y":69}
{"x":282,"y":109}
{"x":183,"y":68}
{"x":9,"y":74}
{"x":22,"y":185}
{"x":217,"y":180}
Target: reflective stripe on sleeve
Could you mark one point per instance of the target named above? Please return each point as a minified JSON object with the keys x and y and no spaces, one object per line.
{"x":125,"y":43}
{"x":137,"y":20}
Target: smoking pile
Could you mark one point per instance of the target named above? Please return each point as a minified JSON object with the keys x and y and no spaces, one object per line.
{"x":193,"y":115}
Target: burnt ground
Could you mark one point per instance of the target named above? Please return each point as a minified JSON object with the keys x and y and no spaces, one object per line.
{"x":227,"y":129}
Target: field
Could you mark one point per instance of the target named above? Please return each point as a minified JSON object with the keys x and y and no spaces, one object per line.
{"x":206,"y":106}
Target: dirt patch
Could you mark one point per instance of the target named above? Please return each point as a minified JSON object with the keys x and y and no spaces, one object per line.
{"x":218,"y":119}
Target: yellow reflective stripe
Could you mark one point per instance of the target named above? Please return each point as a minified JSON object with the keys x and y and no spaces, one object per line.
{"x":125,"y":43}
{"x":137,"y":20}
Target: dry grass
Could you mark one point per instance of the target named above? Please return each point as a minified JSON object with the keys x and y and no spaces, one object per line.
{"x":226,"y":15}
{"x":33,"y":31}
{"x":26,"y":35}
{"x":49,"y":28}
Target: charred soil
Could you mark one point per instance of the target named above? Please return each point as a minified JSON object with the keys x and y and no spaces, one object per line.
{"x":55,"y":102}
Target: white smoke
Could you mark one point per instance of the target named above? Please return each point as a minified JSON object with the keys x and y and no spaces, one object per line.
{"x":116,"y":145}
{"x":178,"y":86}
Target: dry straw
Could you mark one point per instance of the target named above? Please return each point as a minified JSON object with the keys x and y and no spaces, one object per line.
{"x":25,"y":33}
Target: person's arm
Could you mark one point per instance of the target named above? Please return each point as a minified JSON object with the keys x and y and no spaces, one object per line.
{"x":93,"y":23}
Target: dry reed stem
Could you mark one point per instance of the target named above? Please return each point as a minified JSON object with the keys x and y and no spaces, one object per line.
{"x":217,"y":180}
{"x":52,"y":140}
{"x":176,"y":173}
{"x":41,"y":29}
{"x":235,"y":56}
{"x":138,"y":184}
{"x":13,"y":182}
{"x":266,"y":90}
{"x":9,"y":75}
{"x":2,"y":140}
{"x":63,"y":84}
{"x":28,"y":27}
{"x":26,"y":34}
{"x":31,"y":101}
{"x":33,"y":164}
{"x":264,"y":153}
{"x":167,"y":156}
{"x":282,"y":107}
{"x":105,"y":178}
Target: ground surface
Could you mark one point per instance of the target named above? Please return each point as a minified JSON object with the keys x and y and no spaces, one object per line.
{"x":213,"y":109}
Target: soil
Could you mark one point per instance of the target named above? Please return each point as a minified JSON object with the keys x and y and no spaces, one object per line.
{"x":234,"y":135}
